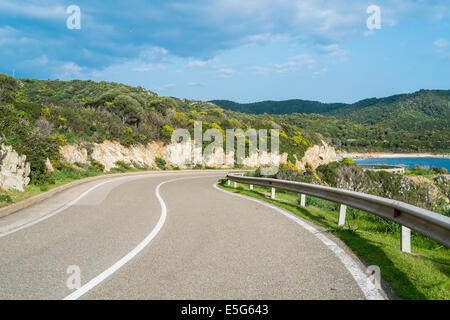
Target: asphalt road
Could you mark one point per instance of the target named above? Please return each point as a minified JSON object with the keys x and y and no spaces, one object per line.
{"x":170,"y":236}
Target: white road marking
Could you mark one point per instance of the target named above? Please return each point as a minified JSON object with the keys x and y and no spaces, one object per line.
{"x":108,"y":272}
{"x":81,"y":196}
{"x":64,"y":207}
{"x":368,"y":288}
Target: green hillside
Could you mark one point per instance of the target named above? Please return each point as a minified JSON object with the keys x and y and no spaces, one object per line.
{"x":280,"y":107}
{"x":38,"y":116}
{"x":416,"y":122}
{"x":424,"y":109}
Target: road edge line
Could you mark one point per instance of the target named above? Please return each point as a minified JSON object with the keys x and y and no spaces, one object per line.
{"x":367,"y":287}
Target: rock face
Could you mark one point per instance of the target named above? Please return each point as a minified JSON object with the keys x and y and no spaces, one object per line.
{"x":180,"y":155}
{"x":14,"y":170}
{"x":73,"y":154}
{"x":317,"y":155}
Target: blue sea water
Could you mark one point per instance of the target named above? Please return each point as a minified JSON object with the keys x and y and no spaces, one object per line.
{"x":408,"y":162}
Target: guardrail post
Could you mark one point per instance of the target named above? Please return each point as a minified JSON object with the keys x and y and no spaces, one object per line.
{"x":302,"y":200}
{"x":273,"y":193}
{"x":235,"y":184}
{"x":251,"y":187}
{"x":342,"y":214}
{"x":405,"y":239}
{"x":228,"y":182}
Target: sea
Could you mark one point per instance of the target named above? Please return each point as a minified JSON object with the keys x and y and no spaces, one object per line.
{"x":408,"y":162}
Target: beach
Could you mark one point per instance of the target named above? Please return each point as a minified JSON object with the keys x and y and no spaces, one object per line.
{"x":358,"y":155}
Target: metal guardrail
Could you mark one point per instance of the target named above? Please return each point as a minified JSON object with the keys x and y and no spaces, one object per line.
{"x":430,"y":224}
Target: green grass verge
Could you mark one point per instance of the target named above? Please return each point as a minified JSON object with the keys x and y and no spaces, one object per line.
{"x":424,"y":274}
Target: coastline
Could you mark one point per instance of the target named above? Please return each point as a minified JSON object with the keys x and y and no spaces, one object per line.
{"x":358,"y":155}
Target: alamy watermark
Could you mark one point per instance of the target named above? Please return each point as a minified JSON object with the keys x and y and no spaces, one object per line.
{"x":255,"y":140}
{"x":374,"y":20}
{"x":374,"y":276}
{"x":73,"y":22}
{"x":74,"y":280}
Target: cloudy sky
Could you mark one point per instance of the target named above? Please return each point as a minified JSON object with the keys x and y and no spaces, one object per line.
{"x":242,"y":50}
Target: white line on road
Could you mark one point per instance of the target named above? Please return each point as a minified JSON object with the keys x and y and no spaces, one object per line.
{"x":64,"y":207}
{"x":81,"y":196}
{"x":105,"y":274}
{"x":368,"y":288}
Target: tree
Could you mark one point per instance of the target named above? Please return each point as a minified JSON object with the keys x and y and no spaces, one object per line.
{"x":8,"y":88}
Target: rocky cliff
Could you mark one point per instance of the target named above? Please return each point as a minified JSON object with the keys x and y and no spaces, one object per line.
{"x":182,"y":155}
{"x":317,"y":155}
{"x":14,"y":170}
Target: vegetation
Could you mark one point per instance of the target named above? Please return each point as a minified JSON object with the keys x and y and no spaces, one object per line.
{"x":416,"y":122}
{"x":280,"y":107}
{"x":420,"y":275}
{"x":432,"y":195}
{"x":39,"y":116}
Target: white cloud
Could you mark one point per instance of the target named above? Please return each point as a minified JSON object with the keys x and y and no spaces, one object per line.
{"x":198,"y":64}
{"x":154,"y":53}
{"x":261,"y":38}
{"x":148,"y":67}
{"x":225,"y":72}
{"x":332,"y":50}
{"x":368,"y":33}
{"x":441,"y":44}
{"x":320,"y":72}
{"x":195,"y":84}
{"x":68,"y":70}
{"x":303,"y":61}
{"x":32,"y":10}
{"x":166,"y":86}
{"x":37,"y":62}
{"x":259,"y":70}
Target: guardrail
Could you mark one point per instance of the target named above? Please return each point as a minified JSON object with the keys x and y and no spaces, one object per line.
{"x":430,"y":224}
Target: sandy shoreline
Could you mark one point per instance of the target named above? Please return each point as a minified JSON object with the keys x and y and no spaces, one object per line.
{"x":356,"y":155}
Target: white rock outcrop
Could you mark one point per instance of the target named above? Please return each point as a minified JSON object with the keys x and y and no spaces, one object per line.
{"x":14,"y":170}
{"x":175,"y":154}
{"x":73,"y":154}
{"x":317,"y":155}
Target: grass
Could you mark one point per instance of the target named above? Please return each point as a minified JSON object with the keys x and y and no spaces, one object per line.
{"x":424,"y":274}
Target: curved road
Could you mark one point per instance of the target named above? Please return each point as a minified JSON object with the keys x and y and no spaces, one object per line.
{"x":170,"y":236}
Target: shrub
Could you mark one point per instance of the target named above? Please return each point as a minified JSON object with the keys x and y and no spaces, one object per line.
{"x":160,"y":163}
{"x":166,"y":132}
{"x":439,"y":170}
{"x":97,"y":166}
{"x":347,"y":161}
{"x":5,"y":198}
{"x":123,"y":164}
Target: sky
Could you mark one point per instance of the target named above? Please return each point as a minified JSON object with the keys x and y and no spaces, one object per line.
{"x":240,"y":50}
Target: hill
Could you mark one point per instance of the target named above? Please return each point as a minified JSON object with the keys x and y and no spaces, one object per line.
{"x":280,"y":107}
{"x":424,"y":107}
{"x":39,"y":116}
{"x":416,"y":122}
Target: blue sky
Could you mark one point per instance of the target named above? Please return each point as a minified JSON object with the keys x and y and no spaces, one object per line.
{"x":241,"y":50}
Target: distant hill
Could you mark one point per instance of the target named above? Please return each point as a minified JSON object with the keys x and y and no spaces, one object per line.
{"x":429,"y":108}
{"x":280,"y":107}
{"x":415,"y":122}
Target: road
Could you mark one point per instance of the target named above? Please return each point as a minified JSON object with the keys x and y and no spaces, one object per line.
{"x":170,"y":236}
